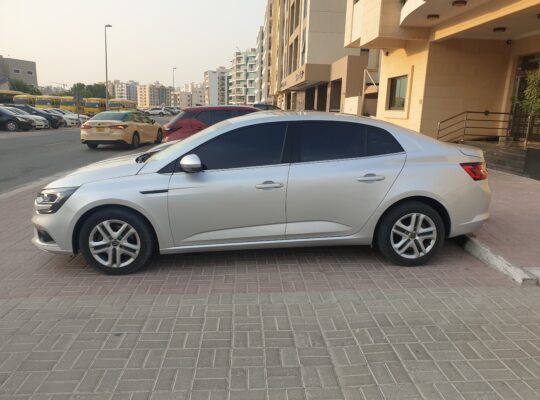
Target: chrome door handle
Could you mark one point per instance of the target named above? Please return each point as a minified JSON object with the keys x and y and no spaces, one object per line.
{"x":371,"y":178}
{"x":269,"y":185}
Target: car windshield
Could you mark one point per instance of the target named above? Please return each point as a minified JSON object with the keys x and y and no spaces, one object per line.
{"x":7,"y":110}
{"x":179,"y":147}
{"x":110,"y":116}
{"x":16,"y":111}
{"x":183,"y":115}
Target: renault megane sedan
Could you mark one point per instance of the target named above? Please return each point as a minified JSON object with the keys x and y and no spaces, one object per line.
{"x":270,"y":179}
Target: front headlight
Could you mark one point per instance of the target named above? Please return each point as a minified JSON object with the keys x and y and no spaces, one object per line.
{"x":21,"y":119}
{"x":49,"y":201}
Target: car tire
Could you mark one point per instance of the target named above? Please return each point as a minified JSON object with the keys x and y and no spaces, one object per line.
{"x":410,"y":234}
{"x":12,"y":126}
{"x":161,"y":114}
{"x":159,"y":137}
{"x":135,"y":141}
{"x":127,"y":241}
{"x":92,"y":146}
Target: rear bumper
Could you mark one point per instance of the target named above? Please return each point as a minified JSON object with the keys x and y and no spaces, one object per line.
{"x":117,"y":142}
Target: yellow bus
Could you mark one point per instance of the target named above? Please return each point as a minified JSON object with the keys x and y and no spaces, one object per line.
{"x":122,"y":104}
{"x":68,"y":103}
{"x":47,"y":102}
{"x":94,"y":105}
{"x":25,"y":99}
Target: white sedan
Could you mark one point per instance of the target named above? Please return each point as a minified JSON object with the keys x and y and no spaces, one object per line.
{"x":68,"y":119}
{"x":40,"y":122}
{"x":161,"y":111}
{"x":269,"y":180}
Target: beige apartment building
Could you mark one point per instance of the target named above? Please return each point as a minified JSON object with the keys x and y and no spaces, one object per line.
{"x":153,"y":95}
{"x":441,"y":59}
{"x":310,"y":67}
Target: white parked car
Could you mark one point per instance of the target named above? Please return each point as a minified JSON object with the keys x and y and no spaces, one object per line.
{"x":69,"y":120}
{"x":40,"y":122}
{"x":161,"y":111}
{"x":82,"y":118}
{"x":269,"y":180}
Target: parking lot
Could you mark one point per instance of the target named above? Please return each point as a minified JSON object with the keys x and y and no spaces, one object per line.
{"x":33,"y":155}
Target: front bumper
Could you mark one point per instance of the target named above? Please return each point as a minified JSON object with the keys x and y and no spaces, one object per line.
{"x":47,"y":244}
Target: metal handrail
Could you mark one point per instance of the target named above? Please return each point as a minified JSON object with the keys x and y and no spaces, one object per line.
{"x":463,"y":119}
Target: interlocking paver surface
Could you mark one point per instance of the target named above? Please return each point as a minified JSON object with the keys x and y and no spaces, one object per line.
{"x":297,"y":324}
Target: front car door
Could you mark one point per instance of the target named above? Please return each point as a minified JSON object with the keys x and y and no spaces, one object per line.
{"x":240,"y":194}
{"x":340,"y":173}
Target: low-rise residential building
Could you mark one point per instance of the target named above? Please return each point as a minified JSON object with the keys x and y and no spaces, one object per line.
{"x":441,"y":60}
{"x":153,"y":95}
{"x":242,"y":77}
{"x":23,"y":70}
{"x":215,"y":86}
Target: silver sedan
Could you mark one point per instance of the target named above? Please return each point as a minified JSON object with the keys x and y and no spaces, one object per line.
{"x":269,"y":179}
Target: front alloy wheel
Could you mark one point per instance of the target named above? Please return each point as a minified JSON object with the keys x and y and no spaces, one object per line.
{"x":410,"y":234}
{"x":116,"y":241}
{"x":12,"y":126}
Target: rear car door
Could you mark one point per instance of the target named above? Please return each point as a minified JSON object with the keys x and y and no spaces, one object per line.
{"x":240,"y":194}
{"x":340,"y":173}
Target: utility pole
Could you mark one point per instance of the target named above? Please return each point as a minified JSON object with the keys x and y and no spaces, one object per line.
{"x":174,"y":98}
{"x":106,"y":72}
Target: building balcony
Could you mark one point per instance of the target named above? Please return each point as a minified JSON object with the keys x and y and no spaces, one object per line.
{"x":376,"y":24}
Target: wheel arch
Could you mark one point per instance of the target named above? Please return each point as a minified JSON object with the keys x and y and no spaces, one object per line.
{"x":78,"y":225}
{"x":430,"y":201}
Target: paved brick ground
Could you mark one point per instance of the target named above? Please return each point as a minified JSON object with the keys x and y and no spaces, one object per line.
{"x":297,"y":324}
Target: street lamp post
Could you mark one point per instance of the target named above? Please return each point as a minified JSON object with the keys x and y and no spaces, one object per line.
{"x":174,"y":98}
{"x":106,"y":71}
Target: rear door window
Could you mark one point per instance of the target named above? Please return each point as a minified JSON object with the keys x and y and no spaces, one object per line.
{"x":213,"y":117}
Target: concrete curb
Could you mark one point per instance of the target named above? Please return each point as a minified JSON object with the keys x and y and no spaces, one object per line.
{"x":479,"y":250}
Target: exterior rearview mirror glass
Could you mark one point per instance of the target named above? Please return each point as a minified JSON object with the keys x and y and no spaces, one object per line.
{"x":191,"y":163}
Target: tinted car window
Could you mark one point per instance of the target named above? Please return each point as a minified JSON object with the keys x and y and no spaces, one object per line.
{"x":381,"y":142}
{"x":245,"y":147}
{"x":239,"y":113}
{"x":184,"y":115}
{"x":115,"y":116}
{"x":213,"y":117}
{"x":321,"y":141}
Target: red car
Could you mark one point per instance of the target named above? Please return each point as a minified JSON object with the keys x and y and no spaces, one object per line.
{"x":194,"y":119}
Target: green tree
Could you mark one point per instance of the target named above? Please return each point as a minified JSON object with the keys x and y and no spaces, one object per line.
{"x":531,"y":99}
{"x":17,"y":84}
{"x":531,"y":95}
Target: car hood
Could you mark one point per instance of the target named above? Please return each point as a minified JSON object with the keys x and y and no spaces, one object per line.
{"x":112,"y":168}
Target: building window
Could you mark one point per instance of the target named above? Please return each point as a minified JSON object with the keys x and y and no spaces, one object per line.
{"x":398,"y":91}
{"x":29,"y":72}
{"x":17,"y":71}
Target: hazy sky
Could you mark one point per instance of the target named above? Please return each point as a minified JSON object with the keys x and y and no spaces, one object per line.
{"x":148,"y":37}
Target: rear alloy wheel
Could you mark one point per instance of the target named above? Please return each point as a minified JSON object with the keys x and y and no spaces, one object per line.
{"x":92,"y":146}
{"x":116,"y":241}
{"x":411,"y":234}
{"x":12,"y":126}
{"x":159,"y":137}
{"x":135,"y":141}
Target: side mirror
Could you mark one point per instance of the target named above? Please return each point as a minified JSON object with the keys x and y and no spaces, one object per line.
{"x":191,"y":163}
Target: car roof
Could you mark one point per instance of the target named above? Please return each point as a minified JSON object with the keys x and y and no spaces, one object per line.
{"x":217,"y":108}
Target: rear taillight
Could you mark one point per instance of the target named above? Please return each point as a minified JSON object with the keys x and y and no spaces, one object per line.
{"x":118,"y":126}
{"x":84,"y":126}
{"x":477,"y":170}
